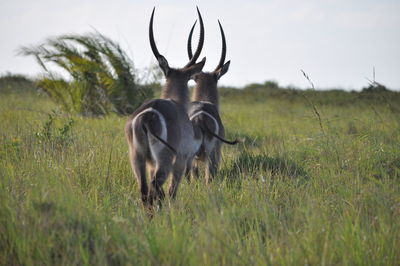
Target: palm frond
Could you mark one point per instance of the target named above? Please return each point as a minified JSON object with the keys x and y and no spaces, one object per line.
{"x":102,"y":76}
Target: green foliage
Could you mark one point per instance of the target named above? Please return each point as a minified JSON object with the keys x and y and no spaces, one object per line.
{"x":102,"y":78}
{"x":268,"y":85}
{"x":57,"y":137}
{"x":375,"y":87}
{"x":289,"y":195}
{"x":15,"y":83}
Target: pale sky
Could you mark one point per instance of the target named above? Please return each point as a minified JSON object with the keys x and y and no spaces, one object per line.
{"x":337,"y":42}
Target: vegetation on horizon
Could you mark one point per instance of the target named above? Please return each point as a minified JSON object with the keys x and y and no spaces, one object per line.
{"x":14,"y":83}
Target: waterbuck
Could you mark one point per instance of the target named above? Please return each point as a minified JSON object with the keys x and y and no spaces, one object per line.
{"x":159,"y":133}
{"x":204,"y":112}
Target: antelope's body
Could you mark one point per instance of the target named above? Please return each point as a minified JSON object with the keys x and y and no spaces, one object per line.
{"x":204,"y":113}
{"x":169,"y":121}
{"x":205,"y":116}
{"x":160,"y":134}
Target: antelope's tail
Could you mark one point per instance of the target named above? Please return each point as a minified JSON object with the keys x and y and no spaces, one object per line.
{"x":234,"y":142}
{"x":148,"y":119}
{"x":160,"y":139}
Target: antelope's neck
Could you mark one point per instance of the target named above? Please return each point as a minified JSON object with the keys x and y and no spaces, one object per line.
{"x":177,"y":92}
{"x":206,"y":94}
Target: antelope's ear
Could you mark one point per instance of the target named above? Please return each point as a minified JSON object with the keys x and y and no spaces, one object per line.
{"x":222,"y":71}
{"x":163,"y":63}
{"x":196,"y":68}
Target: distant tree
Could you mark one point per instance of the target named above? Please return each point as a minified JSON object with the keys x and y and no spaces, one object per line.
{"x":16,"y":83}
{"x":270,"y":84}
{"x":102,"y":78}
{"x":267,"y":85}
{"x":375,"y":87}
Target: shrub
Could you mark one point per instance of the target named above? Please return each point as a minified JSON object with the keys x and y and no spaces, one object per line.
{"x":102,"y":78}
{"x":57,"y":137}
{"x":375,"y":87}
{"x":16,"y":83}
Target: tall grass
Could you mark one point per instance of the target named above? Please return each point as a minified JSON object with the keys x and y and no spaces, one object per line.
{"x":285,"y":196}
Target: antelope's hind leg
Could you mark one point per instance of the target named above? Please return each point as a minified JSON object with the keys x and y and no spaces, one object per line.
{"x":192,"y":170}
{"x":177,"y":172}
{"x":162,"y":169}
{"x":212,"y":163}
{"x":138,"y":164}
{"x":195,"y":169}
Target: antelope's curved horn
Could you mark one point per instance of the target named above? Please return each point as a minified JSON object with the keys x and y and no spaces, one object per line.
{"x":189,"y":43}
{"x":151,"y":37}
{"x":223,"y":52}
{"x":200,"y":44}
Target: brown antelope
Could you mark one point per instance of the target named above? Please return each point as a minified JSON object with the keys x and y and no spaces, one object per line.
{"x":159,"y":133}
{"x":204,"y":112}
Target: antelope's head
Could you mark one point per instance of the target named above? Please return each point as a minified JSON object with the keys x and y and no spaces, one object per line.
{"x":206,"y":82}
{"x":177,"y":78}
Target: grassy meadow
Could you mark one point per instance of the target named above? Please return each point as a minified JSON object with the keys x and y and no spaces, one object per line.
{"x":298,"y":191}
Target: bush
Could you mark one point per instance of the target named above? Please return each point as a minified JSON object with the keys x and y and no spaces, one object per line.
{"x":375,"y":87}
{"x":16,"y":83}
{"x":56,"y":137}
{"x":102,"y":78}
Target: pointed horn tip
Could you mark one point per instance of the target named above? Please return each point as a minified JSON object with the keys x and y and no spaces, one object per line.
{"x":220,"y":26}
{"x":198,"y":12}
{"x":152,"y":15}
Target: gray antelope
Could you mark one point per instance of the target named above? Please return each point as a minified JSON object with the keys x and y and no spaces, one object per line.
{"x":204,"y":112}
{"x":159,"y":133}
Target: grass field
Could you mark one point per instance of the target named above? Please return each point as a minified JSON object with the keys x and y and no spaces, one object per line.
{"x":296,"y":192}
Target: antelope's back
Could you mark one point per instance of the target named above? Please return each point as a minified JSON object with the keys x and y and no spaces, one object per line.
{"x":202,"y":106}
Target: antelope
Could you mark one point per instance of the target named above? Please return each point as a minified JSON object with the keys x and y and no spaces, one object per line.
{"x":160,"y":134}
{"x":204,"y":112}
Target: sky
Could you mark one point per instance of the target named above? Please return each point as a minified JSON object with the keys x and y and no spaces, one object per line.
{"x":336,"y":42}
